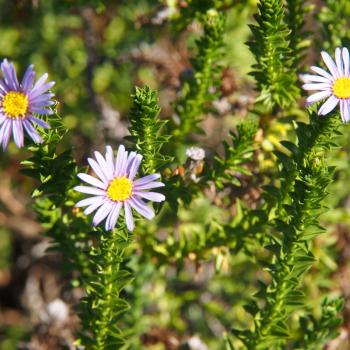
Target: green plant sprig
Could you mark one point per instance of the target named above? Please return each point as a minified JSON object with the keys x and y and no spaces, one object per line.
{"x":225,"y":169}
{"x":194,"y":9}
{"x":54,"y":198}
{"x":103,"y":305}
{"x":296,"y":12}
{"x":274,"y":74}
{"x":249,"y":226}
{"x":98,"y":264}
{"x":294,"y":226}
{"x":146,"y":130}
{"x":334,"y":28}
{"x":196,"y":91}
{"x":316,"y":332}
{"x":223,"y":172}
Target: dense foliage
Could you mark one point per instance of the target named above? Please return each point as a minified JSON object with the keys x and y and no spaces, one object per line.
{"x":248,"y":250}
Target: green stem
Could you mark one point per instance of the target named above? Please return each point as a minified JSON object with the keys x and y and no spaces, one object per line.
{"x":113,"y":255}
{"x":104,"y":304}
{"x":299,"y":209}
{"x":206,"y":70}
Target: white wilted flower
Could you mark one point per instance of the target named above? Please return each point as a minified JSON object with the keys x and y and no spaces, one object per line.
{"x":195,"y":153}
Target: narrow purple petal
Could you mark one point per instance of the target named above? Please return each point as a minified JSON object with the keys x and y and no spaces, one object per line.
{"x":3,"y":127}
{"x":98,"y":171}
{"x":318,"y":96}
{"x":3,"y":117}
{"x":6,"y":138}
{"x":40,"y":81}
{"x":134,"y":167}
{"x":121,"y":161}
{"x":5,"y":131}
{"x":141,"y":207}
{"x":346,"y":61}
{"x":17,"y":131}
{"x":103,"y":165}
{"x":14,"y":76}
{"x":317,"y":86}
{"x":328,"y":106}
{"x":40,"y":98}
{"x":9,"y":75}
{"x":339,"y":61}
{"x":322,"y":72}
{"x":42,"y":102}
{"x":41,"y":110}
{"x":148,"y":185}
{"x":151,"y":196}
{"x":92,"y":181}
{"x":146,"y":179}
{"x":345,"y":110}
{"x":28,"y":79}
{"x":113,"y":216}
{"x":102,"y":213}
{"x":129,"y":161}
{"x":128,"y":217}
{"x":91,"y":200}
{"x":3,"y":87}
{"x":39,"y":122}
{"x":311,"y":78}
{"x":131,"y":156}
{"x":40,"y":90}
{"x":109,"y":154}
{"x":330,"y":64}
{"x":93,"y":207}
{"x":110,"y":160}
{"x":32,"y":132}
{"x":90,"y":190}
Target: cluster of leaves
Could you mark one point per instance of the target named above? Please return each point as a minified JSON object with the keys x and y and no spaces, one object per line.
{"x":103,"y":305}
{"x":104,"y":279}
{"x":275,"y":77}
{"x":200,"y":87}
{"x":146,"y":129}
{"x":285,"y":222}
{"x":316,"y":332}
{"x":194,"y":9}
{"x":295,"y":223}
{"x":225,"y":169}
{"x":98,"y":264}
{"x":223,"y":173}
{"x":298,"y":38}
{"x":54,"y":198}
{"x":50,"y":168}
{"x":334,"y":26}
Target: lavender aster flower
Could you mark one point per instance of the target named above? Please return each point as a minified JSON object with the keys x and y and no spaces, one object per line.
{"x":116,"y":187}
{"x":333,"y":85}
{"x":20,"y":102}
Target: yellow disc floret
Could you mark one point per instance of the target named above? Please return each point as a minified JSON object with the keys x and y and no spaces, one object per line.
{"x":120,"y":189}
{"x":341,"y":87}
{"x":15,"y":104}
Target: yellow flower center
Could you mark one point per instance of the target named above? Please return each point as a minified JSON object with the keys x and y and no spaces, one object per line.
{"x":15,"y":104}
{"x":119,"y":189}
{"x":341,"y":87}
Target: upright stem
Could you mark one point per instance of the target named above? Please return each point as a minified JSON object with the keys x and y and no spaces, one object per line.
{"x":298,"y":206}
{"x":104,"y":304}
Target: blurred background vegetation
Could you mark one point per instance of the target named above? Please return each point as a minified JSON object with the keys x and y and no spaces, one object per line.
{"x":97,"y":51}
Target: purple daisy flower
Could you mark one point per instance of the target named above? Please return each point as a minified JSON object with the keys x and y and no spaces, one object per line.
{"x":20,"y":102}
{"x":116,"y":187}
{"x":333,"y":85}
